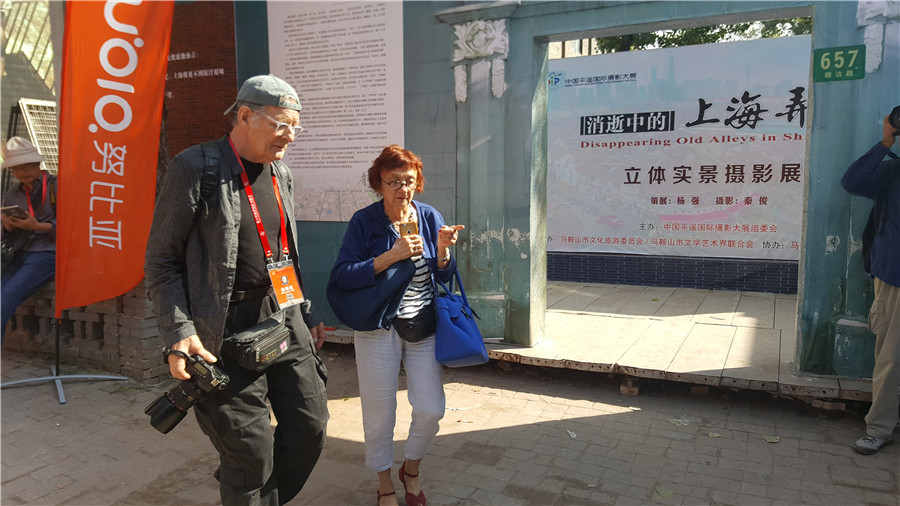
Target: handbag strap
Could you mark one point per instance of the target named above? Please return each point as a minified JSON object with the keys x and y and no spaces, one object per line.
{"x":462,"y":290}
{"x":449,"y":291}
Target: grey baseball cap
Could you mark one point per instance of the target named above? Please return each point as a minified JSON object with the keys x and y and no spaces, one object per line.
{"x":267,"y":90}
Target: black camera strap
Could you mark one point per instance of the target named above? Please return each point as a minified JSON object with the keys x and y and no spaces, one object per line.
{"x":180,"y":354}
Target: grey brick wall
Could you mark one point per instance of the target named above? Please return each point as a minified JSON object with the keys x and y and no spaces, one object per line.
{"x":119,"y":335}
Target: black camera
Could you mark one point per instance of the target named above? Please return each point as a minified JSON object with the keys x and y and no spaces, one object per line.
{"x":169,"y":408}
{"x":894,"y":118}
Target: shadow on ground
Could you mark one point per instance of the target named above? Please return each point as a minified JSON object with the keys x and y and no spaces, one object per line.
{"x":512,"y":434}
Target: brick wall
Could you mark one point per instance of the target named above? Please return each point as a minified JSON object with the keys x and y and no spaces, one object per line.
{"x":119,"y":335}
{"x":201,"y":80}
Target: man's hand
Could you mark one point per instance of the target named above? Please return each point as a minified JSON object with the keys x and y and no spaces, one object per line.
{"x":318,"y":335}
{"x":889,"y":133}
{"x":190,"y":345}
{"x":27,"y":223}
{"x":7,"y":222}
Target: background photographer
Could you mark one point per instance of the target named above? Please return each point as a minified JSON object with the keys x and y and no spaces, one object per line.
{"x":29,"y":236}
{"x":873,"y":178}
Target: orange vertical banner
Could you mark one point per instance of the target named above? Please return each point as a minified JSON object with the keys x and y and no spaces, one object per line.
{"x":114,"y":73}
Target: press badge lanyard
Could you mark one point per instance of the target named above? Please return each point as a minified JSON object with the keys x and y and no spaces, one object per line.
{"x":43,"y":194}
{"x":282,"y":274}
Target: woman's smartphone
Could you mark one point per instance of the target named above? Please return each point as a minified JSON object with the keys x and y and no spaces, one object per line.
{"x":408,"y":228}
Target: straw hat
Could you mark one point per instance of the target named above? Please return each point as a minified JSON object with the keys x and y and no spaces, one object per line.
{"x":19,"y":151}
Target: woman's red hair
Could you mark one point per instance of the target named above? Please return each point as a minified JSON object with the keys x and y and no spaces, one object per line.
{"x":395,"y":157}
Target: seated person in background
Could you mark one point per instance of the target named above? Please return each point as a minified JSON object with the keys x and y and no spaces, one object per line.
{"x":29,"y":232}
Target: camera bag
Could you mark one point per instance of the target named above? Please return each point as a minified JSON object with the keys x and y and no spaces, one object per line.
{"x":260,"y":345}
{"x":12,"y":249}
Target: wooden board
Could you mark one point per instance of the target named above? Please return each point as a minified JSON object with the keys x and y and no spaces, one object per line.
{"x":756,"y":310}
{"x":702,"y":356}
{"x":682,"y":305}
{"x":753,"y":360}
{"x":651,"y":355}
{"x":581,"y":298}
{"x":717,"y":307}
{"x":786,"y":313}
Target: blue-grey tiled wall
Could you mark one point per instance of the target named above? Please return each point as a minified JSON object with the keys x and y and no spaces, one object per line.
{"x":691,"y":272}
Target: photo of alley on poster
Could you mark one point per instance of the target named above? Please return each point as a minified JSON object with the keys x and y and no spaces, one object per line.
{"x":689,"y":151}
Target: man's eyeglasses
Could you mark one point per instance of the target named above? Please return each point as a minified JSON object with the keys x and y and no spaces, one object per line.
{"x":396,"y":185}
{"x":282,"y":128}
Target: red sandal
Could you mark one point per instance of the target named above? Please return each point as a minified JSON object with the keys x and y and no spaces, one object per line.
{"x":411,"y":499}
{"x":380,"y":495}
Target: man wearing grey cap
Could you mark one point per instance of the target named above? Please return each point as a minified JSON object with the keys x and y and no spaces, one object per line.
{"x":222,"y":245}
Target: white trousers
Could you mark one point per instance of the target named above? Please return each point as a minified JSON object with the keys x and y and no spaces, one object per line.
{"x":884,"y":320}
{"x":378,"y":357}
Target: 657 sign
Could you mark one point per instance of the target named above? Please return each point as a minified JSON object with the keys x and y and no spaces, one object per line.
{"x":839,"y":63}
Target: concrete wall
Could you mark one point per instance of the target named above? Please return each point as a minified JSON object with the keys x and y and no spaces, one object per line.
{"x":492,"y":152}
{"x":845,"y":122}
{"x":485,"y":160}
{"x":847,"y":118}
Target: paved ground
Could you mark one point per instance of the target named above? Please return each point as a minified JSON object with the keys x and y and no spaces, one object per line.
{"x":512,"y":434}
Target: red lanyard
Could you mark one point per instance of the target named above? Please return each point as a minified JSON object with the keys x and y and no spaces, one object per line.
{"x":43,"y":194}
{"x":256,"y":216}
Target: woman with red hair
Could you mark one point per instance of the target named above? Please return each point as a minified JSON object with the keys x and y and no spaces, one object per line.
{"x":398,"y":229}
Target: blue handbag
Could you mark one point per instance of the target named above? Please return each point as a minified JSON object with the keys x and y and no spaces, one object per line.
{"x":458,"y":341}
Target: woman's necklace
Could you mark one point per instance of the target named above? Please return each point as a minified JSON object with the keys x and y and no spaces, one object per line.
{"x":410,"y":213}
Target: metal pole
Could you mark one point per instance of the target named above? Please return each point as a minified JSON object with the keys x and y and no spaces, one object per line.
{"x":55,"y":370}
{"x":57,"y":378}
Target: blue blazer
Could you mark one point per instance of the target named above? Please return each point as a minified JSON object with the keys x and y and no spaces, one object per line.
{"x":370,"y":234}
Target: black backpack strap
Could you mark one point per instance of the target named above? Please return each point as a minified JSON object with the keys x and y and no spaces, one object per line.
{"x":281,"y":168}
{"x":880,"y":207}
{"x":212,"y":162}
{"x":53,"y":195}
{"x":868,"y":237}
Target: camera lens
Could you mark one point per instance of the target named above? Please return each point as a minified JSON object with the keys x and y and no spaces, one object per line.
{"x":894,"y":118}
{"x":185,"y":394}
{"x":169,"y":408}
{"x":164,"y":415}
